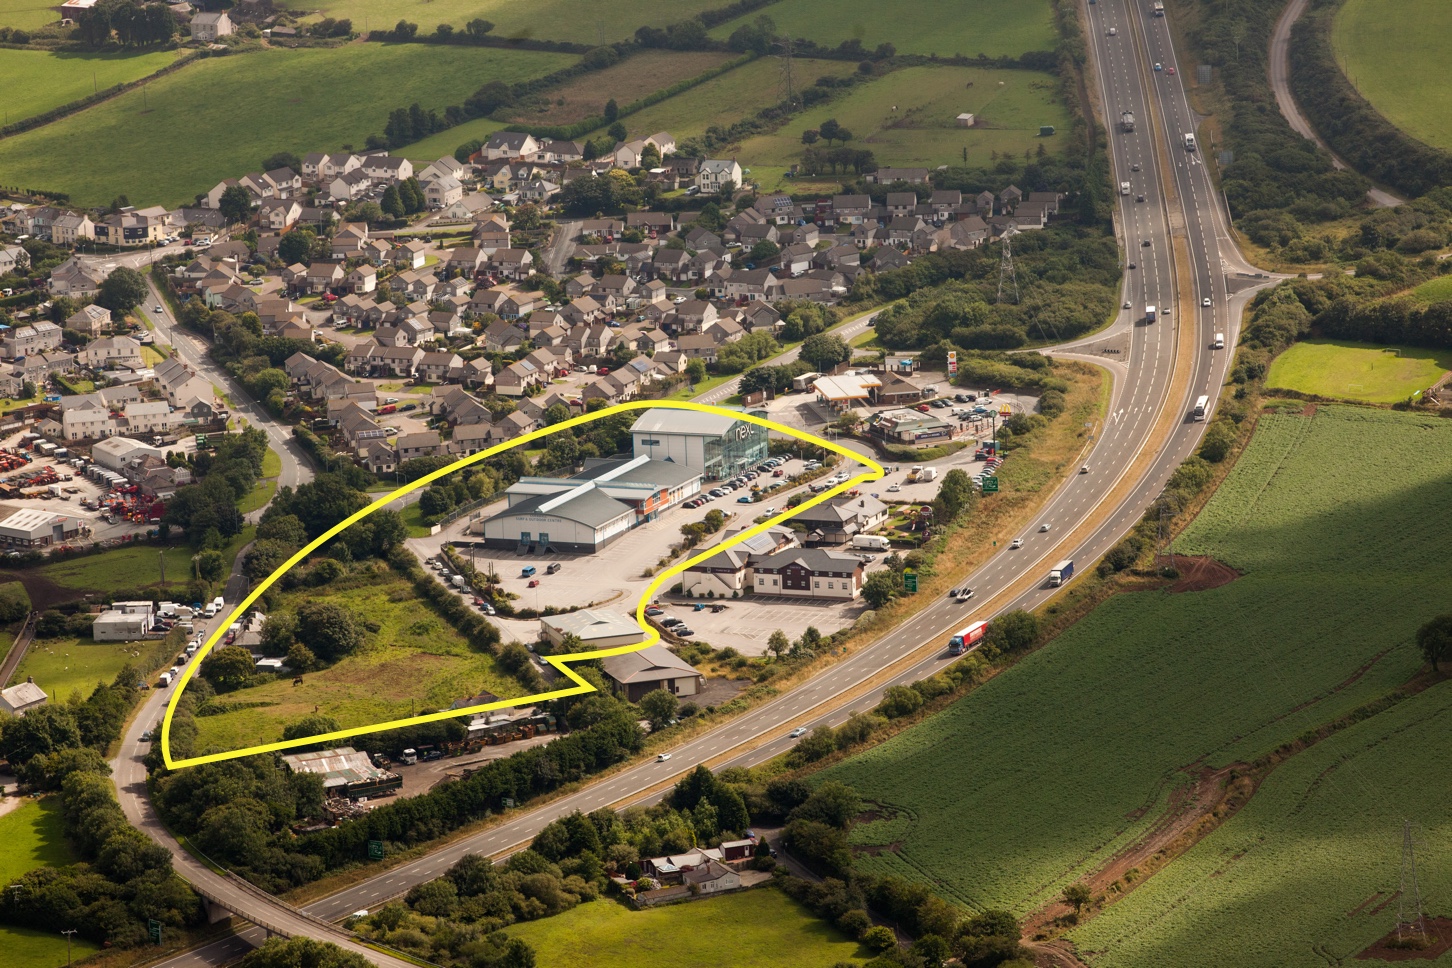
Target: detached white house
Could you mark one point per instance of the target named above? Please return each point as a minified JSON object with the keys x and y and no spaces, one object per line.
{"x":209,"y":26}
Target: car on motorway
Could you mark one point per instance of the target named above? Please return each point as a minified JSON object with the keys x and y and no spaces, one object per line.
{"x":156,"y":309}
{"x":1144,"y":243}
{"x":1015,"y":544}
{"x":799,"y":732}
{"x":1128,"y":304}
{"x":1043,"y":527}
{"x":662,"y":758}
{"x":1113,"y":31}
{"x":1139,"y":198}
{"x":1134,"y":167}
{"x":1205,"y":301}
{"x":1133,"y":266}
{"x":1170,"y":71}
{"x":1158,"y":66}
{"x":1084,"y":469}
{"x":964,"y":594}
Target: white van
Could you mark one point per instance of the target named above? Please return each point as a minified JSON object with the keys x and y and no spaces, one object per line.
{"x":1219,"y":341}
{"x":1124,"y":188}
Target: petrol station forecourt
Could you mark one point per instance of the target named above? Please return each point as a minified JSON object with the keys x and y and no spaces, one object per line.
{"x":561,"y":663}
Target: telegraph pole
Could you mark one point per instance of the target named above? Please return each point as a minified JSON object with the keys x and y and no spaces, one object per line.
{"x":68,"y":932}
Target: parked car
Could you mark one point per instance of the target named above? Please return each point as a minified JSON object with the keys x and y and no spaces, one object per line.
{"x":683,"y":631}
{"x":553,"y":568}
{"x":654,"y":610}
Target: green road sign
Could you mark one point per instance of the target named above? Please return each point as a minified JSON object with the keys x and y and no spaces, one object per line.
{"x":153,"y":930}
{"x":375,"y":850}
{"x":507,"y":801}
{"x":910,"y":581}
{"x":990,"y":485}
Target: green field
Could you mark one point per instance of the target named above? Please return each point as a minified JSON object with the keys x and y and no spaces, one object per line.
{"x":761,"y":928}
{"x":1337,"y":522}
{"x":943,"y":27}
{"x":1286,"y":876}
{"x":414,"y":661}
{"x":726,"y":99}
{"x":442,"y":145}
{"x":180,"y":135}
{"x":27,"y":14}
{"x":1398,"y":63}
{"x":1434,"y":290}
{"x":626,"y":82}
{"x":64,"y":666}
{"x":36,"y":81}
{"x":922,"y":132}
{"x":1356,"y":371}
{"x":580,"y":21}
{"x":34,"y":836}
{"x":124,"y":569}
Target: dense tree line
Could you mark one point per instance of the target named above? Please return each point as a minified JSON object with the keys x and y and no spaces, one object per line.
{"x":125,"y":878}
{"x":133,"y":24}
{"x":206,"y":511}
{"x":1350,"y":124}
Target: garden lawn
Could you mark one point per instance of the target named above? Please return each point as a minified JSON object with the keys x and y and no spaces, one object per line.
{"x":177,"y":137}
{"x":1399,"y":63}
{"x":625,"y":82}
{"x":36,"y":81}
{"x":1357,"y":371}
{"x":943,"y":27}
{"x":726,"y":99}
{"x":63,"y":666}
{"x":1289,"y":875}
{"x":414,"y":661}
{"x":759,"y":928}
{"x":1337,"y":523}
{"x":580,"y":21}
{"x":923,"y":132}
{"x":34,"y":836}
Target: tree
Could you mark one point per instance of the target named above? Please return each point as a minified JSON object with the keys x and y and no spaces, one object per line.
{"x":301,"y":953}
{"x":300,"y":658}
{"x":391,"y":204}
{"x":617,"y":131}
{"x":477,"y":29}
{"x":778,"y":643}
{"x":228,"y":668}
{"x":295,"y":246}
{"x":824,"y":351}
{"x":830,"y":130}
{"x":879,"y":938}
{"x":1435,"y":639}
{"x":955,"y":495}
{"x":211,"y":566}
{"x":39,"y":732}
{"x":1013,"y":631}
{"x":405,"y":31}
{"x":329,"y":630}
{"x":810,"y":136}
{"x":659,"y":707}
{"x":764,"y":251}
{"x":612,"y":111}
{"x":310,"y":726}
{"x":695,"y":370}
{"x":282,"y":159}
{"x":879,"y":588}
{"x":123,"y":290}
{"x":1076,"y":896}
{"x":14,"y":602}
{"x":235,"y":204}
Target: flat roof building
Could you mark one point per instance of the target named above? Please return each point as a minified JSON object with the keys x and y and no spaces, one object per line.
{"x":34,"y":528}
{"x":718,"y":446}
{"x":21,"y":698}
{"x":345,"y":772}
{"x":595,"y":628}
{"x":116,"y":625}
{"x":587,"y":511}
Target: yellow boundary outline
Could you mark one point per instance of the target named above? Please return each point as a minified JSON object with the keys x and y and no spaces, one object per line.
{"x":874,"y":472}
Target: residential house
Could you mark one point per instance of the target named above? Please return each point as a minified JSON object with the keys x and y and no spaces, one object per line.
{"x":110,"y":353}
{"x":443,"y":191}
{"x":509,"y":145}
{"x":714,"y":173}
{"x":207,"y":27}
{"x":512,"y":263}
{"x":69,"y":229}
{"x":363,"y":279}
{"x":278,"y":214}
{"x":837,"y":521}
{"x":41,"y":336}
{"x":425,"y":443}
{"x":90,"y":321}
{"x":907,"y":176}
{"x":386,"y":169}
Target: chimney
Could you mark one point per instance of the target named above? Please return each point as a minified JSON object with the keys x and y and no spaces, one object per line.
{"x":30,"y":679}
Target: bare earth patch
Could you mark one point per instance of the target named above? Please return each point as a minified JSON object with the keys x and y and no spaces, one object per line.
{"x":1440,"y":930}
{"x":1199,"y":573}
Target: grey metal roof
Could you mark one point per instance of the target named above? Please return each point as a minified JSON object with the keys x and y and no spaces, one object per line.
{"x":656,"y":662}
{"x":668,"y":421}
{"x":588,"y":506}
